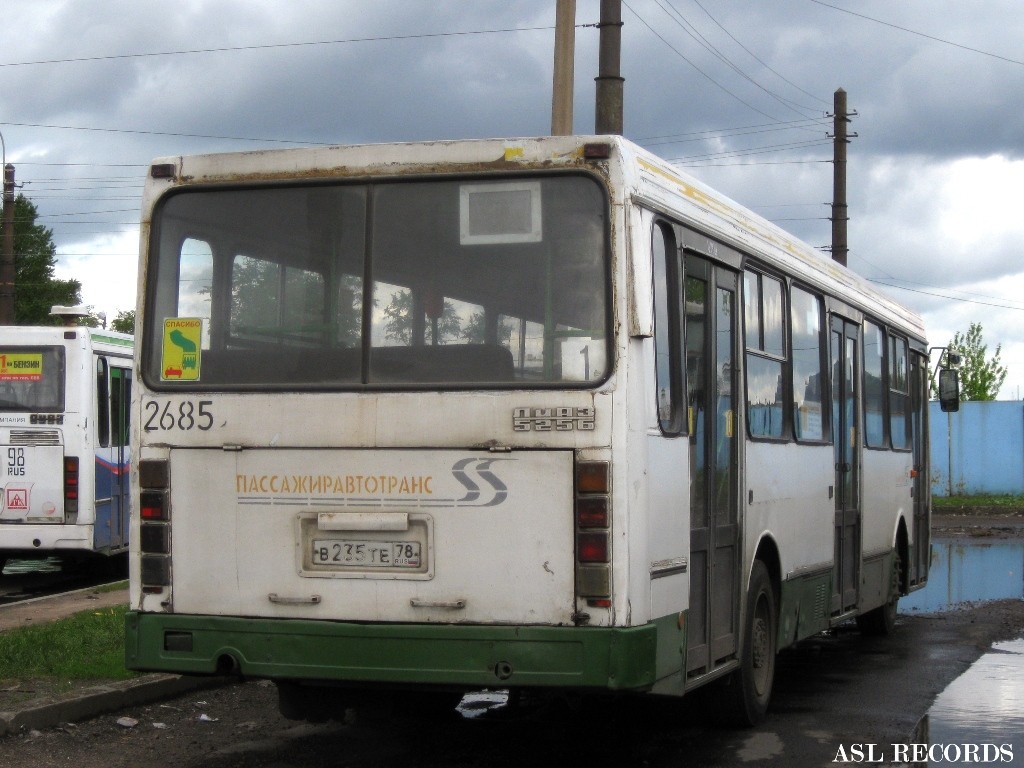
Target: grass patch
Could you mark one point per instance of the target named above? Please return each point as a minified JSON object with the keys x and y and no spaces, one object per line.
{"x":981,"y":500}
{"x":86,"y":646}
{"x":116,"y":586}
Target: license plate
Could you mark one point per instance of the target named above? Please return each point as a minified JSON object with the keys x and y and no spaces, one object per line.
{"x":366,"y":554}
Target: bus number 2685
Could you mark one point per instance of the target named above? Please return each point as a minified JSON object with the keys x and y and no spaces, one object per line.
{"x":183,"y":414}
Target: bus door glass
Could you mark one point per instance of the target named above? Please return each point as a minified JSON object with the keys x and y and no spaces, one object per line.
{"x":120,"y":401}
{"x":104,"y":496}
{"x":920,"y":489}
{"x":845,"y":407}
{"x":710,"y":341}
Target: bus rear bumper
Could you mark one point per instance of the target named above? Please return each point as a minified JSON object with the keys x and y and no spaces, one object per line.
{"x":26,"y":538}
{"x":416,"y":654}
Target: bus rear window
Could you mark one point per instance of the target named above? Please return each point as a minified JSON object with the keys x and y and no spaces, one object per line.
{"x":412,"y":283}
{"x":31,"y":379}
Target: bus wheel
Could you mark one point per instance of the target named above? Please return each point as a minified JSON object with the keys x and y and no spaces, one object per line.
{"x":881,"y":621}
{"x":750,"y":688}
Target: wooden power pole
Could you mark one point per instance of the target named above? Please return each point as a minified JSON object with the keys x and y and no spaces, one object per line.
{"x":840,"y":211}
{"x":565,"y":54}
{"x":608,"y":112}
{"x":7,"y":262}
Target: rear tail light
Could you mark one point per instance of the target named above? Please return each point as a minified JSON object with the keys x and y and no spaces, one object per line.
{"x":70,"y":484}
{"x":592,"y":547}
{"x":153,"y":505}
{"x":593,"y":533}
{"x":155,"y":525}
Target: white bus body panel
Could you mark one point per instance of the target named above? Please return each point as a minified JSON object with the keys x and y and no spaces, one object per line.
{"x":786,"y":495}
{"x":498,"y":546}
{"x":886,"y":498}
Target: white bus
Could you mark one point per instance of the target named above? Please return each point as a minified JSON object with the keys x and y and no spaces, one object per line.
{"x":64,"y":456}
{"x":529,"y":414}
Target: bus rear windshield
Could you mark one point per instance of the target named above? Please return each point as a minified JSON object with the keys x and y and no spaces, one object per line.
{"x":415,"y":283}
{"x":31,"y":379}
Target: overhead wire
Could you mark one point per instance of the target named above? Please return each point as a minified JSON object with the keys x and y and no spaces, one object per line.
{"x":758,"y":59}
{"x":726,"y":133}
{"x":703,"y":41}
{"x":270,"y":46}
{"x":920,"y":34}
{"x":700,"y":71}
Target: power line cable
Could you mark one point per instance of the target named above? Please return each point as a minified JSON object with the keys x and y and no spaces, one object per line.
{"x":756,"y":162}
{"x":920,"y":34}
{"x":730,"y":133}
{"x":703,"y":41}
{"x":698,"y":69}
{"x":753,"y":151}
{"x":716,"y":132}
{"x":944,"y":295}
{"x":759,"y":60}
{"x":166,"y":133}
{"x":271,"y":46}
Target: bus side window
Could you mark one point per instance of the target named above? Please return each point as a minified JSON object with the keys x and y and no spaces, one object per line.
{"x":899,"y":393}
{"x":667,"y":344}
{"x":874,"y":386}
{"x":808,"y":376}
{"x":764,"y":313}
{"x":102,"y":403}
{"x":120,"y":397}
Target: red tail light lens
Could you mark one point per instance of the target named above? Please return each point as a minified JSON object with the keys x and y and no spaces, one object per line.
{"x":70,"y":483}
{"x":592,"y":512}
{"x":592,"y":547}
{"x":153,"y":505}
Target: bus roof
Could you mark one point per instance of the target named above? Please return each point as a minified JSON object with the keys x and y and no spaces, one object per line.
{"x":110,"y":342}
{"x":641,"y":175}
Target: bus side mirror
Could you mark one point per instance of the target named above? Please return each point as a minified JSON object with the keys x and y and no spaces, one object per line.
{"x":949,"y":390}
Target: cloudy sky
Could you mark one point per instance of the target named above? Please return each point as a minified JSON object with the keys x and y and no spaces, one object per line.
{"x":734,"y":91}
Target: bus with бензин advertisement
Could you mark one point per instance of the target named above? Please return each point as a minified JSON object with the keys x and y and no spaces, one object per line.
{"x":537,"y":414}
{"x":64,"y":449}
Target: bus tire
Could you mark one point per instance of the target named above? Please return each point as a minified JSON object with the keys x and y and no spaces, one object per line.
{"x":750,"y":689}
{"x":881,"y":621}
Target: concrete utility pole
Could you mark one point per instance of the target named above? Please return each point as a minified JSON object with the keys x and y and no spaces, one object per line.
{"x":840,"y":212}
{"x":608,"y":117}
{"x":7,"y":264}
{"x":565,"y":55}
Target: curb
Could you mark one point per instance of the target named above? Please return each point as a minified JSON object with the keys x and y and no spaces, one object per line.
{"x":89,"y":702}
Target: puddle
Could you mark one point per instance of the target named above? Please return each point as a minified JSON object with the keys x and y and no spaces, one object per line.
{"x":967,"y":571}
{"x":984,"y":706}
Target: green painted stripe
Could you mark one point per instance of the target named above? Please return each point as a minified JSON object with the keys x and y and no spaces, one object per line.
{"x":113,"y":340}
{"x":568,"y":657}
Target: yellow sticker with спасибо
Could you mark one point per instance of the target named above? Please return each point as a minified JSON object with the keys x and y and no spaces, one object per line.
{"x":182,"y":349}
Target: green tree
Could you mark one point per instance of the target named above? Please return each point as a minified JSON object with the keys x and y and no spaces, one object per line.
{"x":124,"y":322}
{"x":980,"y":376}
{"x":35,"y":256}
{"x":400,"y":322}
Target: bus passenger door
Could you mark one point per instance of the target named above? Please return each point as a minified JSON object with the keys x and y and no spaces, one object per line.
{"x":920,"y":536}
{"x":846,"y":440}
{"x":120,"y":402}
{"x":710,"y":341}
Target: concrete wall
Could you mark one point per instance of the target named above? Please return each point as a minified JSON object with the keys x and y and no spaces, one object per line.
{"x":984,"y":442}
